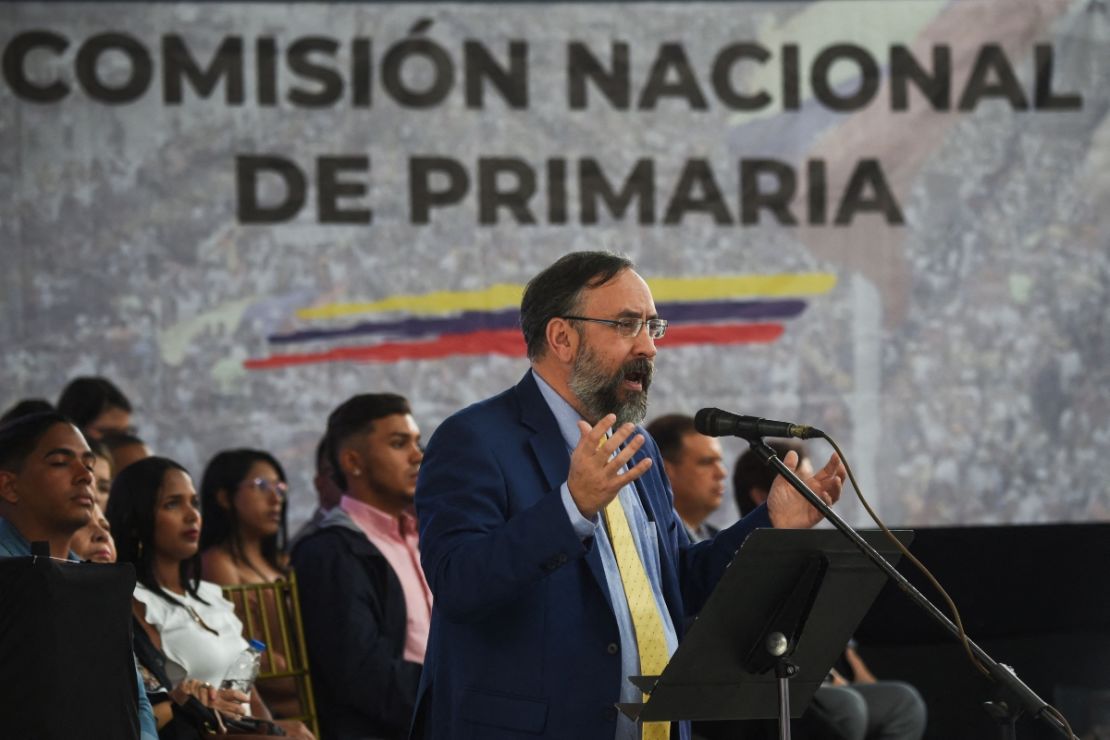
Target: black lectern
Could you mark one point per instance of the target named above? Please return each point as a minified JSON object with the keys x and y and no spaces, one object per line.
{"x":811,"y":587}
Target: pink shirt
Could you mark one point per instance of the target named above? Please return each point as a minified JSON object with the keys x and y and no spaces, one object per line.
{"x":399,"y":543}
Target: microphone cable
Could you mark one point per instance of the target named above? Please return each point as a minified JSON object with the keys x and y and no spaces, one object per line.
{"x":964,"y":640}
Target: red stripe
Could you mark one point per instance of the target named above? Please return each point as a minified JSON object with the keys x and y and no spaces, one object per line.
{"x":508,"y":342}
{"x":678,"y":336}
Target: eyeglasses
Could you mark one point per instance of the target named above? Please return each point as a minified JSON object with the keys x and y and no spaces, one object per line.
{"x":629,"y":327}
{"x":276,"y":487}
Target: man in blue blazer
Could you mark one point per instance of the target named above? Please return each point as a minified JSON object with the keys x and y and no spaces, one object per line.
{"x":531,"y":631}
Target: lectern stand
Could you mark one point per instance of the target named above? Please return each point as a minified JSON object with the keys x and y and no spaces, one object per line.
{"x":766,"y":638}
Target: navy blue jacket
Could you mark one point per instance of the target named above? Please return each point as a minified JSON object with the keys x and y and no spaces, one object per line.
{"x":523,"y":635}
{"x":355,"y":624}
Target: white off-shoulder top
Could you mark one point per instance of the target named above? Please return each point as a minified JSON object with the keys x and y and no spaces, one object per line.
{"x":203,"y":655}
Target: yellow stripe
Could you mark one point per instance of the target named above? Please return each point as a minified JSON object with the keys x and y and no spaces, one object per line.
{"x":507,"y":295}
{"x":501,"y":295}
{"x":740,"y":286}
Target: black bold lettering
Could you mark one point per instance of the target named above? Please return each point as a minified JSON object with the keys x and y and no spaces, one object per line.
{"x":512,"y":82}
{"x":140,"y":67}
{"x":329,"y":189}
{"x":299,"y":57}
{"x":639,"y":185}
{"x":697,"y":177}
{"x":776,"y":198}
{"x":248,"y":168}
{"x":393,"y":79}
{"x":722,"y":76}
{"x":582,"y":65}
{"x":178,"y":64}
{"x":266,"y":62}
{"x":1044,"y":97}
{"x":821,"y":81}
{"x":992,"y":61}
{"x":491,"y":196}
{"x":868,"y":174}
{"x":361,"y":73}
{"x":791,"y":78}
{"x":15,"y":54}
{"x":423,"y":197}
{"x":672,"y":57}
{"x":815,"y":192}
{"x":936,"y":87}
{"x":557,"y":191}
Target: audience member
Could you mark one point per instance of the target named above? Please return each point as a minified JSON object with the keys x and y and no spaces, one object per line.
{"x":93,"y":542}
{"x":26,"y":407}
{"x":243,"y":499}
{"x":155,"y":515}
{"x":46,"y":494}
{"x":365,"y":602}
{"x":857,"y":706}
{"x":328,"y":491}
{"x":102,"y":472}
{"x":125,"y":448}
{"x":696,"y":470}
{"x":46,"y":483}
{"x":243,"y":496}
{"x":96,"y":406}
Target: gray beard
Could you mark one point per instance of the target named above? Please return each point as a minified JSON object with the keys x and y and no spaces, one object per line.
{"x":599,"y":394}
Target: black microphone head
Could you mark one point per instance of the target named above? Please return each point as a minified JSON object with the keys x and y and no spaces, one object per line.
{"x":708,"y":422}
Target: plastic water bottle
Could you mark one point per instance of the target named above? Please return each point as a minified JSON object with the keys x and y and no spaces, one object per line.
{"x":241,"y":674}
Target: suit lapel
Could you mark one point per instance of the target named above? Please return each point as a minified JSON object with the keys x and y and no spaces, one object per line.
{"x":550,"y":452}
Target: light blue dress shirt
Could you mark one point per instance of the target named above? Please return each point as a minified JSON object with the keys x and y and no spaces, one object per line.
{"x":647,"y":543}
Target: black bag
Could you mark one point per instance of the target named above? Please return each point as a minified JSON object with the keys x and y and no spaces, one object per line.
{"x":65,"y":650}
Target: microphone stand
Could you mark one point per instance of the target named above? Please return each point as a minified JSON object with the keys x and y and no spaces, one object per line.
{"x":1020,"y":697}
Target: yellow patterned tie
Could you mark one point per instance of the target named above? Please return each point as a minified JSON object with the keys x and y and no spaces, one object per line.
{"x":646,"y":621}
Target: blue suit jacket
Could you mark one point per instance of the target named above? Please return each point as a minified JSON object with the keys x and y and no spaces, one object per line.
{"x":523,"y":641}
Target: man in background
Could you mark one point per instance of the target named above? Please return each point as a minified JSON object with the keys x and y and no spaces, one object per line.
{"x":696,"y":469}
{"x":364,"y":600}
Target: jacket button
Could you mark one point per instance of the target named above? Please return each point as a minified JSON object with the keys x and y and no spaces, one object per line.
{"x":613,"y":649}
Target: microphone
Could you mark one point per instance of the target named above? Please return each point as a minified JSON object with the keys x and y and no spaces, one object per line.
{"x":717,"y":423}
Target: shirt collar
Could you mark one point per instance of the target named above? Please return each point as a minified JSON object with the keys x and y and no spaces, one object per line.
{"x":565,"y":415}
{"x":14,"y":541}
{"x":366,"y":515}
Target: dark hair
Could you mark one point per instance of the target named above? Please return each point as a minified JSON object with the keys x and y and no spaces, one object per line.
{"x":669,"y":431}
{"x":356,"y":416}
{"x":114,"y":440}
{"x":323,"y":454}
{"x":26,"y":407}
{"x":556,"y":292}
{"x":225,"y":472}
{"x":86,"y":398}
{"x":131,"y":507}
{"x":20,"y":436}
{"x":101,"y":450}
{"x":751,"y":473}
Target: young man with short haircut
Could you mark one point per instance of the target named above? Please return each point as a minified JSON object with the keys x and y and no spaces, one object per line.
{"x":365,"y":603}
{"x":47,"y":495}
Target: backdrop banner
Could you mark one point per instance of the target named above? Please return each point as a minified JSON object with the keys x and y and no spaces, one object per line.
{"x":889,"y":220}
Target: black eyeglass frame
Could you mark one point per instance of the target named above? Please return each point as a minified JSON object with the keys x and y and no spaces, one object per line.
{"x":628,"y":326}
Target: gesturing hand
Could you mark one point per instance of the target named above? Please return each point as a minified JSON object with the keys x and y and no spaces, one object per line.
{"x":788,"y":509}
{"x":595,"y":479}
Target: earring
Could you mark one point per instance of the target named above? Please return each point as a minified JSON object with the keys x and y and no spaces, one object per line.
{"x":140,"y":548}
{"x":356,"y":472}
